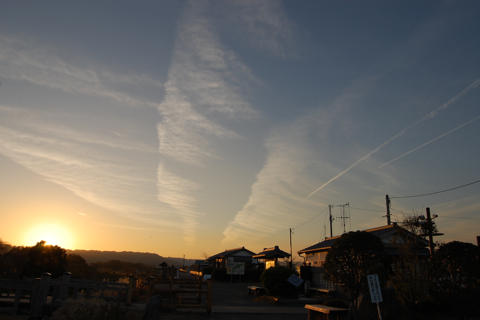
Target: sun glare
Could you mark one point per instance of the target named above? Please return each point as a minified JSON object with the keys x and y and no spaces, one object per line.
{"x":52,"y":234}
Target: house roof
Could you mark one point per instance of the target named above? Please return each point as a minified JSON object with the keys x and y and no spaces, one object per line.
{"x":201,"y":262}
{"x":272,"y":253}
{"x":229,"y":252}
{"x":381,"y":232}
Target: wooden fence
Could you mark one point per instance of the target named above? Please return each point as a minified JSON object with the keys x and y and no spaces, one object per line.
{"x":36,"y":292}
{"x":183,"y":293}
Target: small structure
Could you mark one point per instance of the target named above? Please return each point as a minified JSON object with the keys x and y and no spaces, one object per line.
{"x":199,"y":265}
{"x":241,"y":254}
{"x":271,"y":256}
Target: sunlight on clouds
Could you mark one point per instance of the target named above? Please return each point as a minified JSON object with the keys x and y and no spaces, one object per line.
{"x":274,"y":201}
{"x":113,"y":181}
{"x":179,"y":193}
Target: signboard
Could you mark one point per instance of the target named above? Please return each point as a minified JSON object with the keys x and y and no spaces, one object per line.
{"x":269,"y":264}
{"x":236,"y":268}
{"x":375,"y":291}
{"x":295,"y":280}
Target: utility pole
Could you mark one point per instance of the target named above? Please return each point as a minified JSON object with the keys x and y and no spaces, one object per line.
{"x":430,"y":232}
{"x":291,"y":256}
{"x":331,"y":219}
{"x":388,"y":209}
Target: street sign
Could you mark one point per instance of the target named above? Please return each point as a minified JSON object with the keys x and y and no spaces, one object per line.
{"x":374,"y":285}
{"x":295,"y":280}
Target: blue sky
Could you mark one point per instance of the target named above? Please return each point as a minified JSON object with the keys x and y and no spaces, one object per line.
{"x":182,"y":127}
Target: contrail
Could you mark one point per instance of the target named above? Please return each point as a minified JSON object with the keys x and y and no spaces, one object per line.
{"x":430,"y":115}
{"x":430,"y":141}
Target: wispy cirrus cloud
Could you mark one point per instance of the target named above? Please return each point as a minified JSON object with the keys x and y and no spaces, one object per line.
{"x":265,"y":26}
{"x":25,"y":60}
{"x":103,"y":170}
{"x":207,"y":85}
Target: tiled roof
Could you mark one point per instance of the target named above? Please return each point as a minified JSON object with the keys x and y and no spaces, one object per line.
{"x":379,"y":232}
{"x":271,"y":253}
{"x":229,"y":252}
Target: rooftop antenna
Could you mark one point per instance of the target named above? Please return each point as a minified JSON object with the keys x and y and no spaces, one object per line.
{"x":344,"y":217}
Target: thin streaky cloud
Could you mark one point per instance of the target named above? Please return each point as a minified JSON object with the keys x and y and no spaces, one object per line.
{"x":25,"y":60}
{"x":428,"y":116}
{"x":206,"y":84}
{"x":423,"y":145}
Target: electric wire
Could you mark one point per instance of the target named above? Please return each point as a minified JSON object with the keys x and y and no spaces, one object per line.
{"x":428,"y":194}
{"x":310,"y":219}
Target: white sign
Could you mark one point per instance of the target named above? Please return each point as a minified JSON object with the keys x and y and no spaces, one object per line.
{"x":295,"y":280}
{"x":236,"y":268}
{"x":374,"y":285}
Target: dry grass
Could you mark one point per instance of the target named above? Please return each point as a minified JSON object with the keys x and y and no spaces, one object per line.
{"x":91,"y":309}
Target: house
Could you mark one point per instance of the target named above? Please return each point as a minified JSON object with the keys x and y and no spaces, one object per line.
{"x":390,"y":235}
{"x":241,"y":254}
{"x":271,"y":256}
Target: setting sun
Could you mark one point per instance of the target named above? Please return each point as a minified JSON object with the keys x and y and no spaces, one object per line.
{"x":53,"y":235}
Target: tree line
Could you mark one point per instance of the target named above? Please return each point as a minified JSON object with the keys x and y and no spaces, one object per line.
{"x":17,"y":262}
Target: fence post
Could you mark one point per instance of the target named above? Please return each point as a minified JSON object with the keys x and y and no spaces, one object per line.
{"x":18,"y":293}
{"x":209,"y":296}
{"x":131,"y":286}
{"x":40,"y":293}
{"x":64,"y":291}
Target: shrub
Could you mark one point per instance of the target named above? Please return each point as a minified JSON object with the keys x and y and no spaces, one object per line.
{"x":219,"y":274}
{"x":253,"y":275}
{"x":91,"y":309}
{"x":274,"y":280}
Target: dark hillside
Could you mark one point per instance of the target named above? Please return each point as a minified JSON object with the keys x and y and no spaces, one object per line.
{"x":142,"y":257}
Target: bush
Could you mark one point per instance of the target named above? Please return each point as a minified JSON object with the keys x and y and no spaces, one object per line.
{"x":220,"y":274}
{"x":274,"y":280}
{"x":253,"y":275}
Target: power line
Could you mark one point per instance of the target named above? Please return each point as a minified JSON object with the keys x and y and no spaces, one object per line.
{"x":427,"y":194}
{"x":311,"y":218}
{"x":458,"y":217}
{"x":367,"y":209}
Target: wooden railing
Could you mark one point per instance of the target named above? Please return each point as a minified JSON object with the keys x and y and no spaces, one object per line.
{"x":183,"y":293}
{"x":37,"y":291}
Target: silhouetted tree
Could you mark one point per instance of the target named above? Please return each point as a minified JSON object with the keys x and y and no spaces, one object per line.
{"x":14,"y":261}
{"x":410,"y":278}
{"x":79,"y":267}
{"x":455,"y":277}
{"x":45,"y":258}
{"x":353,"y":257}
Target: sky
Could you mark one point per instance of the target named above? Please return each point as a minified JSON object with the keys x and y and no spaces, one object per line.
{"x":191,"y":127}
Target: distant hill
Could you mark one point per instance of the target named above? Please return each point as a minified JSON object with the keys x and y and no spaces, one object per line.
{"x":143,"y":257}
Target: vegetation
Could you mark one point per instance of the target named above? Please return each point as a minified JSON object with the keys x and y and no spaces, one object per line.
{"x":274,"y":280}
{"x":91,"y":309}
{"x":353,"y":257}
{"x":455,"y":277}
{"x":17,"y":262}
{"x":411,"y":274}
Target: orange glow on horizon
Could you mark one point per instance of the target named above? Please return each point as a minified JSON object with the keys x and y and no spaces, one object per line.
{"x":52,"y":234}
